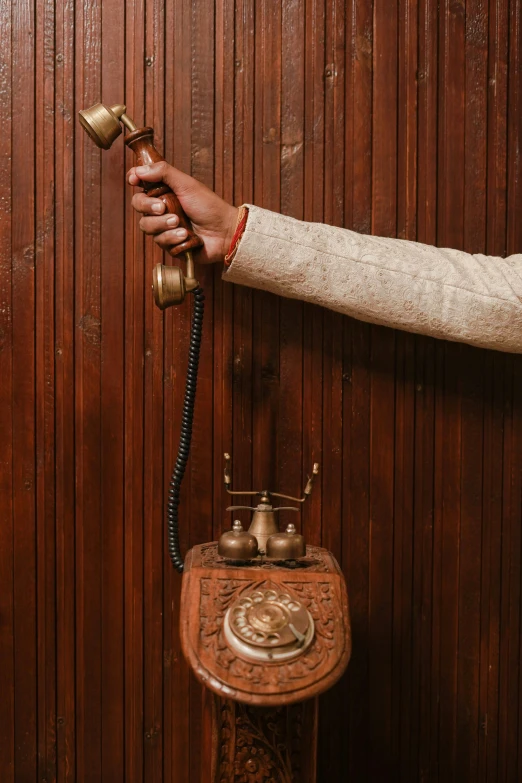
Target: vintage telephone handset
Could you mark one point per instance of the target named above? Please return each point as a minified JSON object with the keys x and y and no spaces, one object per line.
{"x":104,"y":125}
{"x":264,"y":618}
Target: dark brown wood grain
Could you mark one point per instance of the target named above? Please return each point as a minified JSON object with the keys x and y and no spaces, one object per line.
{"x":112,"y":422}
{"x":45,"y":404}
{"x":403,"y":118}
{"x":135,"y":296}
{"x":23,"y":495}
{"x":65,"y":632}
{"x":87,"y":416}
{"x":154,"y":462}
{"x":7,"y":609}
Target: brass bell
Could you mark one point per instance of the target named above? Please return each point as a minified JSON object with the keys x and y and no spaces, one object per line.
{"x":286,"y":546}
{"x":237,"y":544}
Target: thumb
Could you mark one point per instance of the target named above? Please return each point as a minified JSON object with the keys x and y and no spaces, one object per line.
{"x":179,"y":182}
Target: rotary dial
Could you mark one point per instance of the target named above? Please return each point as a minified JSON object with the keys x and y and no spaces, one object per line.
{"x":268,"y":625}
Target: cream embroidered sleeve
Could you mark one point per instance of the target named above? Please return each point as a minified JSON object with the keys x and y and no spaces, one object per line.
{"x":444,"y":293}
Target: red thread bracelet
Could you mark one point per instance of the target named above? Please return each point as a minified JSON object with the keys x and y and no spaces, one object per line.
{"x":238,"y":233}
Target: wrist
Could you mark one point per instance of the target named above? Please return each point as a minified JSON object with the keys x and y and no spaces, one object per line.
{"x":231,"y":224}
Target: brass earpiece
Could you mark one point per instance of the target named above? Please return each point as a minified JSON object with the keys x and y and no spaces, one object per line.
{"x":104,"y":125}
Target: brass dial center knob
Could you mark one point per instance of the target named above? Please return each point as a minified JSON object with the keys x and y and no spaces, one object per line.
{"x":268,"y":625}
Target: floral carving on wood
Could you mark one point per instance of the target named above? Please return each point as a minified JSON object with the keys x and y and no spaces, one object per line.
{"x":261,"y":745}
{"x":216,"y":597}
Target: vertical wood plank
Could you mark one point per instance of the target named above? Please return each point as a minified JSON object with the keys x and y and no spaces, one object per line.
{"x":242,"y":435}
{"x":490,"y":569}
{"x":450,"y":172}
{"x":384,"y":205}
{"x":222,"y":391}
{"x":497,"y":127}
{"x":356,"y":545}
{"x":468,"y":718}
{"x":404,"y":620}
{"x":476,"y":125}
{"x":290,"y":407}
{"x":112,"y":381}
{"x":176,"y":681}
{"x":423,"y":592}
{"x":382,"y":403}
{"x":427,"y":80}
{"x":449,"y":521}
{"x":7,"y":679}
{"x":384,"y":117}
{"x":135,"y":359}
{"x":24,"y":244}
{"x":154,"y":558}
{"x":361,"y":136}
{"x":450,"y":232}
{"x":516,"y":515}
{"x":64,"y":265}
{"x":514,"y":230}
{"x":408,"y":77}
{"x":45,"y":392}
{"x":267,"y":192}
{"x":201,"y":476}
{"x":88,"y":411}
{"x":331,"y":736}
{"x":509,"y":676}
{"x":357,"y":377}
{"x":313,"y":211}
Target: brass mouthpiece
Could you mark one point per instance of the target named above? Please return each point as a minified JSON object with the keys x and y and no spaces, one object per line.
{"x":170,"y":284}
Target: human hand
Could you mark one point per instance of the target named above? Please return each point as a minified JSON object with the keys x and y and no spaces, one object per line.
{"x":213,"y":220}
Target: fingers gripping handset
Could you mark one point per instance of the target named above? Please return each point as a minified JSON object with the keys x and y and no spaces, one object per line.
{"x":104,"y":125}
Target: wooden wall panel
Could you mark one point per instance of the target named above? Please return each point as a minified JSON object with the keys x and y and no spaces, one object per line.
{"x":398,"y":117}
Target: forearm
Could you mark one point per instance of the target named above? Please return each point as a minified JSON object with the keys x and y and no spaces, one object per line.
{"x":406,"y":285}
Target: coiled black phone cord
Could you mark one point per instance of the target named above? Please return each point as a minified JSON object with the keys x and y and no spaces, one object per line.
{"x":186,"y":430}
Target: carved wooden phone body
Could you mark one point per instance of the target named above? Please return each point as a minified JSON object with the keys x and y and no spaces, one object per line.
{"x":263,"y":715}
{"x":214,"y":591}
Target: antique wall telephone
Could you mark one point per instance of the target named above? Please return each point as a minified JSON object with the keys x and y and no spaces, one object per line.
{"x":264,"y":617}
